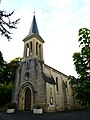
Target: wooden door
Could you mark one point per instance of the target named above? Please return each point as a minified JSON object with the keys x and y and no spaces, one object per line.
{"x":28,"y":99}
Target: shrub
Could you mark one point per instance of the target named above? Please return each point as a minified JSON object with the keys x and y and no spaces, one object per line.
{"x":11,"y":106}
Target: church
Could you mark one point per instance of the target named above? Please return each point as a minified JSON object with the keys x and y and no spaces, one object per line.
{"x":38,"y":85}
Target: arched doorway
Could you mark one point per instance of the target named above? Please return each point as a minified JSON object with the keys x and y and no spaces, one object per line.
{"x":28,"y":99}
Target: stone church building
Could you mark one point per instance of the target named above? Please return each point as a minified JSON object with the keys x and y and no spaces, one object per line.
{"x":37,"y":84}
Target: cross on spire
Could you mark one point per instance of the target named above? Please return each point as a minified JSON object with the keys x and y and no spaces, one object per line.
{"x":34,"y":13}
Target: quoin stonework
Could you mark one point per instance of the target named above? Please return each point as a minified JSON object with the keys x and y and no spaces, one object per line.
{"x":37,"y":84}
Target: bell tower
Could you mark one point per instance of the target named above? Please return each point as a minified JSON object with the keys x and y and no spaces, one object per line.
{"x":33,"y":43}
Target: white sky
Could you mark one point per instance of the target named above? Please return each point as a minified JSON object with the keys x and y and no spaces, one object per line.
{"x":58,"y":23}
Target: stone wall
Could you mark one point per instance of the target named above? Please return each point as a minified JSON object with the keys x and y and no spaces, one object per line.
{"x":30,"y":72}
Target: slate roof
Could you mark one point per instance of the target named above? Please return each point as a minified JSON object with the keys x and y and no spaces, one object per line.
{"x":33,"y":30}
{"x":48,"y":79}
{"x":34,"y":27}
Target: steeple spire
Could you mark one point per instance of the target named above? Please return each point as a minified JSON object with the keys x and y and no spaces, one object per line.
{"x":33,"y":43}
{"x":34,"y":28}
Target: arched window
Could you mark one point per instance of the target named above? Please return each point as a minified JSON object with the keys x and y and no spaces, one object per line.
{"x":30,"y":47}
{"x":27,"y":50}
{"x":64,"y":91}
{"x":57,"y":83}
{"x":37,"y":48}
{"x":40,"y":51}
{"x":51,"y":96}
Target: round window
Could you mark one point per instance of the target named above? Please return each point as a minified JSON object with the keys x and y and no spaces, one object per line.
{"x":26,"y":76}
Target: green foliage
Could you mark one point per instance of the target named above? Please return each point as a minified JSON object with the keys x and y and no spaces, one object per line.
{"x":7,"y":77}
{"x":11,"y":69}
{"x":5,"y":93}
{"x":2,"y":67}
{"x":2,"y":62}
{"x":8,"y":70}
{"x":81,"y":85}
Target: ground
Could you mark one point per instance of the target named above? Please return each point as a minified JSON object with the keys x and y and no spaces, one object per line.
{"x":68,"y":115}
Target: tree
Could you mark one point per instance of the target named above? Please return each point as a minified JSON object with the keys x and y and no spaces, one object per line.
{"x":6,"y":24}
{"x":8,"y":70}
{"x":5,"y":93}
{"x":81,"y":85}
{"x":7,"y":77}
{"x":2,"y":68}
{"x":11,"y":69}
{"x":2,"y":62}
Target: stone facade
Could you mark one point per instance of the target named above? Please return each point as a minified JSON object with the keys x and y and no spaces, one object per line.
{"x":37,"y":84}
{"x":29,"y":75}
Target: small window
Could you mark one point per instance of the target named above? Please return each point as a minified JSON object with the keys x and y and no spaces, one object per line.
{"x":51,"y":100}
{"x":27,"y":49}
{"x":64,"y":92}
{"x":57,"y":83}
{"x":30,"y":46}
{"x":40,"y":51}
{"x":37,"y":48}
{"x":50,"y":91}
